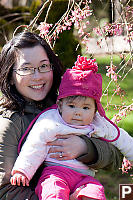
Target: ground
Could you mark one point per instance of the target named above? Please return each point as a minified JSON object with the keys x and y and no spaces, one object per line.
{"x":111,"y":182}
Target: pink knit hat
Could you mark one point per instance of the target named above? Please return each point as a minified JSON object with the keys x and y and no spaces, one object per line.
{"x":83,"y":80}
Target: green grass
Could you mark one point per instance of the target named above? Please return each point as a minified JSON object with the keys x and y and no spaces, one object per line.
{"x":111,"y":182}
{"x":126,"y":85}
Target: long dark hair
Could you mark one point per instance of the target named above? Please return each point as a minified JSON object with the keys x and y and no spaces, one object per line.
{"x":12,"y":99}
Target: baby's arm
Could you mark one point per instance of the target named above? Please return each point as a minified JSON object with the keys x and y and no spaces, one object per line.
{"x":33,"y":152}
{"x":125,"y":144}
{"x":105,"y":129}
{"x":18,"y":178}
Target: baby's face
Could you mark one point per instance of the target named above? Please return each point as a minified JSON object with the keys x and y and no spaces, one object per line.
{"x":78,"y":111}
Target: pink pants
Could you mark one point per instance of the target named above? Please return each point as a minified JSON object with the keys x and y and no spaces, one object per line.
{"x":57,"y":182}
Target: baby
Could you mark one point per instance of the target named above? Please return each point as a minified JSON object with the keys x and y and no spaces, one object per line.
{"x":78,"y":111}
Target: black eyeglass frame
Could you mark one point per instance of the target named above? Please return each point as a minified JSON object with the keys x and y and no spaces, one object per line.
{"x":35,"y":68}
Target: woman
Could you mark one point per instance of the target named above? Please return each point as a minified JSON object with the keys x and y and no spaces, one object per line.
{"x":30,"y":74}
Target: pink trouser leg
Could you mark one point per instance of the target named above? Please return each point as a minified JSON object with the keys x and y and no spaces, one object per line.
{"x":53,"y":188}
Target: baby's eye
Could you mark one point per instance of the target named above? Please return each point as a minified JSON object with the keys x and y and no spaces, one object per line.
{"x":71,"y":106}
{"x":86,"y":108}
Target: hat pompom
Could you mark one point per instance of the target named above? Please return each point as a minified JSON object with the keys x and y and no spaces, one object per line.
{"x":85,"y":64}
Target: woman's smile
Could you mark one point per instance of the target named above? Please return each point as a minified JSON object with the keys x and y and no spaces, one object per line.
{"x":37,"y":87}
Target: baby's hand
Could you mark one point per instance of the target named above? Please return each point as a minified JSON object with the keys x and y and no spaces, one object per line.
{"x":19,"y":178}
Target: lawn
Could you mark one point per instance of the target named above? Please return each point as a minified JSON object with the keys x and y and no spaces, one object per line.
{"x":111,"y":182}
{"x":127,"y":88}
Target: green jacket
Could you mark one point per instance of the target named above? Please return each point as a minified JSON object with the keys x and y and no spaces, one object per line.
{"x":12,"y":126}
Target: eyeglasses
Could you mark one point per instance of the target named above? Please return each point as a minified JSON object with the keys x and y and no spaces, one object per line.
{"x":31,"y":70}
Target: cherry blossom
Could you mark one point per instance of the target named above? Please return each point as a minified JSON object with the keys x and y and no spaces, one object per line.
{"x":44,"y":28}
{"x":111,"y":72}
{"x":126,"y":165}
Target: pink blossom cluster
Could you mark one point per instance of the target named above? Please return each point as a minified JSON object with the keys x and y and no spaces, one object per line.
{"x":126,"y":165}
{"x":123,"y":111}
{"x":78,"y":18}
{"x":84,"y":64}
{"x":85,"y":39}
{"x":75,"y":18}
{"x":129,"y":37}
{"x":111,"y":72}
{"x":65,"y":25}
{"x":44,"y":28}
{"x":119,"y":91}
{"x":109,"y":30}
{"x":77,"y":15}
{"x":118,"y":117}
{"x":112,"y":29}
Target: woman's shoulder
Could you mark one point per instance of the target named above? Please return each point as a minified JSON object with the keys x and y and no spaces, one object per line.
{"x":6,"y":113}
{"x":11,"y":126}
{"x":9,"y":118}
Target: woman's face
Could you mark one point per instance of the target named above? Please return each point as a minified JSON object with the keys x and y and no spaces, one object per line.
{"x":33,"y":86}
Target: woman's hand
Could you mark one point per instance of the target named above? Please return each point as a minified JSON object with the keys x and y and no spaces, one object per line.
{"x":67,"y":147}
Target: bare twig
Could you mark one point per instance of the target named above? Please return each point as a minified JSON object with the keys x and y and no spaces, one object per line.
{"x":32,"y":24}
